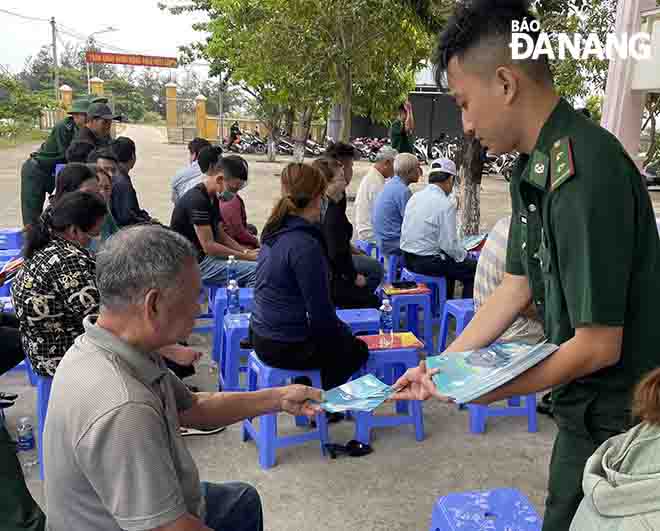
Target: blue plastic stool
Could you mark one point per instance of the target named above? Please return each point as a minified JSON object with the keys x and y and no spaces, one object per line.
{"x":368,"y":248}
{"x":235,"y":329}
{"x":246,"y":301}
{"x":492,"y":510}
{"x":438,"y":287}
{"x":479,"y":414}
{"x":58,"y":169}
{"x":11,"y":238}
{"x":362,"y":321}
{"x":463,"y":312}
{"x":390,"y":365}
{"x":261,"y":376}
{"x":43,"y":395}
{"x":412,"y":303}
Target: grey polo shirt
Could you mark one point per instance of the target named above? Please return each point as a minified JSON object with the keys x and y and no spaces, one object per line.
{"x":113,"y":455}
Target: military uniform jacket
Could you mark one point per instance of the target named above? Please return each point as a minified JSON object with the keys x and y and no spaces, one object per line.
{"x":583,"y":232}
{"x":53,"y":150}
{"x":87,"y":135}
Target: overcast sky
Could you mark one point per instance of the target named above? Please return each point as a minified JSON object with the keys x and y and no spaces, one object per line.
{"x":142,"y":27}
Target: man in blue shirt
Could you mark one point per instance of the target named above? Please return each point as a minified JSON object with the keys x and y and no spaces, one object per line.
{"x":391,"y":203}
{"x":429,"y":239}
{"x":190,"y":176}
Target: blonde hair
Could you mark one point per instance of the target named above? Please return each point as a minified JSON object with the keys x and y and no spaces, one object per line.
{"x":646,"y":402}
{"x":301,"y":184}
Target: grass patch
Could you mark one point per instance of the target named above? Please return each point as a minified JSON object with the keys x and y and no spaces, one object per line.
{"x":24,"y":137}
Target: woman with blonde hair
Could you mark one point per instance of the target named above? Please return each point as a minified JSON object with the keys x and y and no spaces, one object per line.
{"x":622,"y":478}
{"x":294,"y":324}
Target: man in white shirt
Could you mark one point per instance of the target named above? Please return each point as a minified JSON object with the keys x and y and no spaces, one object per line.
{"x":428,"y":235}
{"x":370,"y":186}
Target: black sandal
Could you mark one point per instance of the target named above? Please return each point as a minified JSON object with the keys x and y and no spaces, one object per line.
{"x":352,"y":448}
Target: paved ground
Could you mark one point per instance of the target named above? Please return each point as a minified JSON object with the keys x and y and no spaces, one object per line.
{"x":392,"y":489}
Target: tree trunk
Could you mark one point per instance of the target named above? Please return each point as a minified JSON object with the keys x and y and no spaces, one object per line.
{"x":272,"y":146}
{"x":470,"y":188}
{"x":333,"y":128}
{"x":273,"y":125}
{"x":289,"y":118}
{"x":347,"y":105}
{"x":301,"y":142}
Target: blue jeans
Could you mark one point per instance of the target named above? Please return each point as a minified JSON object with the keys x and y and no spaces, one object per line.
{"x":214,"y":271}
{"x":232,"y":506}
{"x":371,"y":268}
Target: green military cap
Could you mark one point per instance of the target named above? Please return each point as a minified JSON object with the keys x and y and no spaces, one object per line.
{"x":79,"y":106}
{"x":98,"y":99}
{"x":101,"y":110}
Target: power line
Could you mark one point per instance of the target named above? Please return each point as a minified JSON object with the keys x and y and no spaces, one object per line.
{"x":25,"y":17}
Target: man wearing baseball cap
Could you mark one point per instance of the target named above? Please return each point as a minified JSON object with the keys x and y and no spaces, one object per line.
{"x":99,"y":121}
{"x":428,"y":235}
{"x":38,"y":172}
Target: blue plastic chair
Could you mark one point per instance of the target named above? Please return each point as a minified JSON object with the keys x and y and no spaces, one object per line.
{"x":438,"y":287}
{"x":463,"y":311}
{"x":262,"y":376}
{"x":361,"y":321}
{"x":11,"y":238}
{"x":389,"y":365}
{"x":44,"y":384}
{"x":206,"y":296}
{"x":480,"y":414}
{"x":246,"y":301}
{"x":412,"y":303}
{"x":235,"y":329}
{"x":492,"y":510}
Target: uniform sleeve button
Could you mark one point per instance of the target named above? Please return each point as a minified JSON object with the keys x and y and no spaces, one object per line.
{"x":532,"y":208}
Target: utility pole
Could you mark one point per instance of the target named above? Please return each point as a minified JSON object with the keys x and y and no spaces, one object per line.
{"x":56,"y":68}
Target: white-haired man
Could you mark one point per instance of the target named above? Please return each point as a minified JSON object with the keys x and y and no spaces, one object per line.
{"x":390,"y":205}
{"x":371,"y":185}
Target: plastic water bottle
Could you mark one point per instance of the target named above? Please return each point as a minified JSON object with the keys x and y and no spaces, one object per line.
{"x":26,"y":448}
{"x":233,"y":302}
{"x":386,"y":324}
{"x":231,"y":269}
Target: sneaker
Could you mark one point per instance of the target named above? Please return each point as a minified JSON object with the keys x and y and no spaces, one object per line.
{"x":188,"y":432}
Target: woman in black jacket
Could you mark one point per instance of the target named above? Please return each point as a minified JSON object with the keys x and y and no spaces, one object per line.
{"x":349,"y":288}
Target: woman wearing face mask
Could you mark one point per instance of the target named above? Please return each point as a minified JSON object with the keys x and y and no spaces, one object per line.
{"x":56,"y":287}
{"x":294,"y":323}
{"x":349,"y":288}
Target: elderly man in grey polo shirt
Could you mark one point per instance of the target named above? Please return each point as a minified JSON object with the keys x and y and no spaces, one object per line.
{"x":113,"y":455}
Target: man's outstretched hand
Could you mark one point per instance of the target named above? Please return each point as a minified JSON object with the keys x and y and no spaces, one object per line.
{"x":300,"y":400}
{"x":416,"y":384}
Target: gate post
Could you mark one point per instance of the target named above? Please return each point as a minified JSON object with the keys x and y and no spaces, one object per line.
{"x":200,"y":115}
{"x":170,"y":105}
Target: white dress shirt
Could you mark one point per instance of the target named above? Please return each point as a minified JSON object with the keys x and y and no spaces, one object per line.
{"x":370,"y":186}
{"x":429,"y":225}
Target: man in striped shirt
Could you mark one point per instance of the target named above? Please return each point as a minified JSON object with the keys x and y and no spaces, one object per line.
{"x":490,"y":271}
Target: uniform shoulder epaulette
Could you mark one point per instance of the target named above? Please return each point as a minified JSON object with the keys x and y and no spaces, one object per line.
{"x":69,"y":124}
{"x":562,"y":166}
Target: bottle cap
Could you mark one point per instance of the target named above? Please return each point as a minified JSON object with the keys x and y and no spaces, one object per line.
{"x":232,"y":257}
{"x":386,"y":301}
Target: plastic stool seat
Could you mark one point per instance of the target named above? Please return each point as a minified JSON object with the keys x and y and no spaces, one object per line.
{"x":368,"y":248}
{"x":492,"y":510}
{"x":246,"y":301}
{"x":261,"y":376}
{"x":235,"y":329}
{"x":361,"y":321}
{"x":389,"y":365}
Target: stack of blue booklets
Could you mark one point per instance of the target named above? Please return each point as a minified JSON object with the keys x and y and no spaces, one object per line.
{"x":362,"y":394}
{"x":465,"y":376}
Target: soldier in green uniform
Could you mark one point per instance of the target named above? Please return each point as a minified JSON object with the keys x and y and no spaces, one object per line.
{"x":403,"y":129}
{"x":38,"y":172}
{"x":583,"y":245}
{"x":96,"y":130}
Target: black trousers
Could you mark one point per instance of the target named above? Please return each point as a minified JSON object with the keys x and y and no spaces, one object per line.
{"x":338,"y":357}
{"x":436,"y":266}
{"x":11,"y":351}
{"x":347,"y":295}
